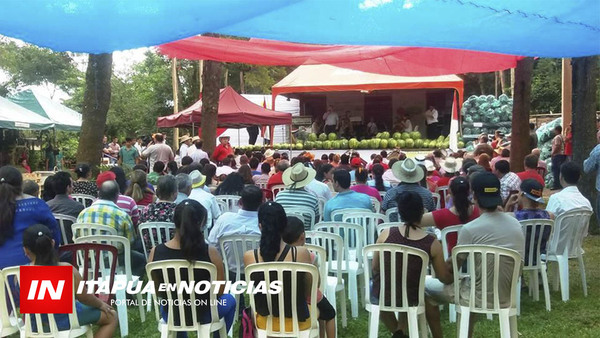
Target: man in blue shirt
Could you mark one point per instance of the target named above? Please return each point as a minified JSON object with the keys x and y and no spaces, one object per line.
{"x":345,"y":198}
{"x":409,"y":174}
{"x":592,"y":163}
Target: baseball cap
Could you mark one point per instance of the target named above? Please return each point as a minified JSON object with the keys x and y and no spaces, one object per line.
{"x":356,"y":162}
{"x":533,"y":190}
{"x":105,"y":176}
{"x":486,"y":188}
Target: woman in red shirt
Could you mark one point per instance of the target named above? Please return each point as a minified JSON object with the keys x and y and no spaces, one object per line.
{"x":138,"y":189}
{"x":462,"y":211}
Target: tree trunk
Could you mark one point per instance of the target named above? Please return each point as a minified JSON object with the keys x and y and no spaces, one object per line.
{"x":480,"y":81}
{"x":520,"y":117}
{"x":211,"y":85}
{"x":585,"y":74}
{"x":96,"y":101}
{"x":242,"y":86}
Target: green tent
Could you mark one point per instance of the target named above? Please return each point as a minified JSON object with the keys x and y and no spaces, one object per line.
{"x":63,"y":118}
{"x":13,"y":116}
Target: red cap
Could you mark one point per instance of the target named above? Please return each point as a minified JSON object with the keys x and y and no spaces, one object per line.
{"x":356,"y":162}
{"x":105,"y":176}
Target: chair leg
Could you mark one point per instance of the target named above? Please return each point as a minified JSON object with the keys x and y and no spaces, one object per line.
{"x":373,"y":321}
{"x":353,"y":292}
{"x":504,"y":324}
{"x":413,"y":323}
{"x":519,"y":295}
{"x":122,"y":312}
{"x":141,"y":307}
{"x":514,"y":333}
{"x":535,"y":283}
{"x":423,"y":329}
{"x":545,"y":285}
{"x":452,"y":313}
{"x":464,"y":322}
{"x":563,"y":271}
{"x":556,"y":278}
{"x":582,"y":271}
{"x":344,"y":310}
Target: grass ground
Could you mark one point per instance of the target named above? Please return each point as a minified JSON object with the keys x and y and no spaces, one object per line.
{"x":579,"y":317}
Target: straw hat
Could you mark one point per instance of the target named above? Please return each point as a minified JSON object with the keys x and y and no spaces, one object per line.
{"x":298,"y":176}
{"x":195,"y":138}
{"x":269,"y":153}
{"x":408,"y":171}
{"x":184,"y":138}
{"x":450,"y":165}
{"x":429,"y":165}
{"x":197,"y":179}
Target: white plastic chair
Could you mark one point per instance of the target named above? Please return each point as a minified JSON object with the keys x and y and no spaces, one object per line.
{"x":391,"y":211}
{"x":338,"y":215}
{"x":261,"y":185}
{"x":85,"y":200}
{"x":444,"y":193}
{"x":382,"y":194}
{"x":305,"y":214}
{"x":233,"y":247}
{"x":334,"y":247}
{"x":170,"y":272}
{"x":453,"y":229}
{"x":322,"y":202}
{"x":164,"y":232}
{"x":382,"y":226}
{"x":566,"y":241}
{"x":488,"y":259}
{"x":398,"y":283}
{"x":368,"y":220}
{"x":276,"y":325}
{"x":351,"y":262}
{"x":376,"y":204}
{"x":123,"y":276}
{"x":222,"y":206}
{"x":9,"y":321}
{"x":276,"y":189}
{"x":533,"y":260}
{"x":65,"y":222}
{"x":88,"y":229}
{"x":232,"y":202}
{"x":44,"y":327}
{"x":436,"y":200}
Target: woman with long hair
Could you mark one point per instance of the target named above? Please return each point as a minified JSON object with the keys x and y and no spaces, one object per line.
{"x":83,"y":185}
{"x":246,"y":174}
{"x":189,"y":244}
{"x":17,"y":213}
{"x":138,"y":189}
{"x":461,"y":212}
{"x":209,"y":170}
{"x":272,"y":221}
{"x":360,"y":176}
{"x":410,"y":233}
{"x":232,"y":185}
{"x":377,"y":182}
{"x":39,"y":247}
{"x":125,"y":202}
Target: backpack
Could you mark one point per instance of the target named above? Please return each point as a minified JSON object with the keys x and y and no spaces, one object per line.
{"x":246,"y":327}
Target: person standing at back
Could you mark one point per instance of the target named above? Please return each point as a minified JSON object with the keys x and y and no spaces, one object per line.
{"x":159,"y":151}
{"x":569,"y":197}
{"x":533,"y":139}
{"x":128,"y":155}
{"x":332,"y":120}
{"x":431,"y":115}
{"x":223,"y":150}
{"x":558,"y":156}
{"x":591,"y":164}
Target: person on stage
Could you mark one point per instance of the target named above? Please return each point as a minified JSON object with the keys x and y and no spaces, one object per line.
{"x":432,"y":123}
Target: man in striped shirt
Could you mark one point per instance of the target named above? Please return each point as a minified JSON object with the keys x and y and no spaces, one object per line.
{"x":295,"y":195}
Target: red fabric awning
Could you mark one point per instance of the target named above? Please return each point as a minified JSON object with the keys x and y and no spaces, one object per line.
{"x":403,"y":61}
{"x":235,"y":111}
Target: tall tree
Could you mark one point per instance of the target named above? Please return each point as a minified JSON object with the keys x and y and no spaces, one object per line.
{"x":96,"y":101}
{"x":585,"y":77}
{"x":521,"y":110}
{"x":211,"y":85}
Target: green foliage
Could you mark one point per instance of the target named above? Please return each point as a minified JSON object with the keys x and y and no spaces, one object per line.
{"x":260,"y":79}
{"x":546,"y":86}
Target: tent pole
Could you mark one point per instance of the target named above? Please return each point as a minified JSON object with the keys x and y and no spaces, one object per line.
{"x":238,"y":137}
{"x":175,"y":102}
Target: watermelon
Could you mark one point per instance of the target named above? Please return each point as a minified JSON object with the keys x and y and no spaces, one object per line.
{"x":402,"y":143}
{"x":461,"y":144}
{"x":378,"y":135}
{"x":318,"y":144}
{"x":385,"y":134}
{"x":337,"y":144}
{"x":446,"y":145}
{"x":432,"y":145}
{"x":364,"y":144}
{"x":344,"y":144}
{"x":397,"y":135}
{"x":415,"y":135}
{"x":410,"y":143}
{"x":353,"y":143}
{"x":375,"y":143}
{"x":323,"y":137}
{"x":299,"y":145}
{"x":419,"y":143}
{"x":405,"y":135}
{"x":327,"y":145}
{"x":332,"y":137}
{"x":312,"y":137}
{"x":383,"y":144}
{"x":392,"y":143}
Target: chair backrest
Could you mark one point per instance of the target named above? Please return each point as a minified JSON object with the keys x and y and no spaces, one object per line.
{"x":36,"y":325}
{"x":484,"y":263}
{"x":353,"y":238}
{"x":262,"y":186}
{"x":382,"y":194}
{"x":9,"y":322}
{"x":87,"y":229}
{"x":65,"y":222}
{"x":232,"y":249}
{"x":338,"y":215}
{"x":322,"y":202}
{"x":222,"y":206}
{"x":570,"y":228}
{"x":171,"y":272}
{"x":382,"y":226}
{"x":155,"y":233}
{"x":444,"y":193}
{"x":536,"y":232}
{"x":334,"y":247}
{"x":453,"y":229}
{"x":398,"y":280}
{"x":93,"y":261}
{"x":84,"y":199}
{"x":293,"y":270}
{"x":116,"y":241}
{"x":321,"y":263}
{"x":305,"y":214}
{"x":392,"y":212}
{"x":276,"y":189}
{"x":368,"y":220}
{"x":436,"y":200}
{"x":231,"y":201}
{"x":376,"y":204}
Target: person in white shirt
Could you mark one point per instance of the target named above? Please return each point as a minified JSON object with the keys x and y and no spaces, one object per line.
{"x":319,"y":189}
{"x":569,"y":197}
{"x":195,"y":150}
{"x":262,"y":179}
{"x":242,"y":222}
{"x":431,"y":115}
{"x":372,"y":128}
{"x":388,"y":175}
{"x":138,"y":145}
{"x":159,"y":151}
{"x":332,"y":120}
{"x":186,"y":142}
{"x":226,"y":168}
{"x":208,"y":201}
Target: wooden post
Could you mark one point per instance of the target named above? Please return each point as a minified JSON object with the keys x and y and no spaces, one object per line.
{"x":512,"y":82}
{"x":567,"y":93}
{"x":585,"y":75}
{"x":200,"y":72}
{"x":242,"y":86}
{"x":496,"y":84}
{"x":226,"y":77}
{"x":520,"y":118}
{"x":175,"y":102}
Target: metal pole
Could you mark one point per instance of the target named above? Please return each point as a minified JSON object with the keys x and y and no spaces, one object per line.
{"x":175,"y":101}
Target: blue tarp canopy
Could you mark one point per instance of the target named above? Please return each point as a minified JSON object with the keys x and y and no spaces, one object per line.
{"x":545,"y":28}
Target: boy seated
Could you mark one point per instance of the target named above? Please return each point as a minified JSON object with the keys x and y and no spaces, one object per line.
{"x":294,"y":235}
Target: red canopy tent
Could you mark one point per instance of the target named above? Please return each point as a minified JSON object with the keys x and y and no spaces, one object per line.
{"x":234,"y":112}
